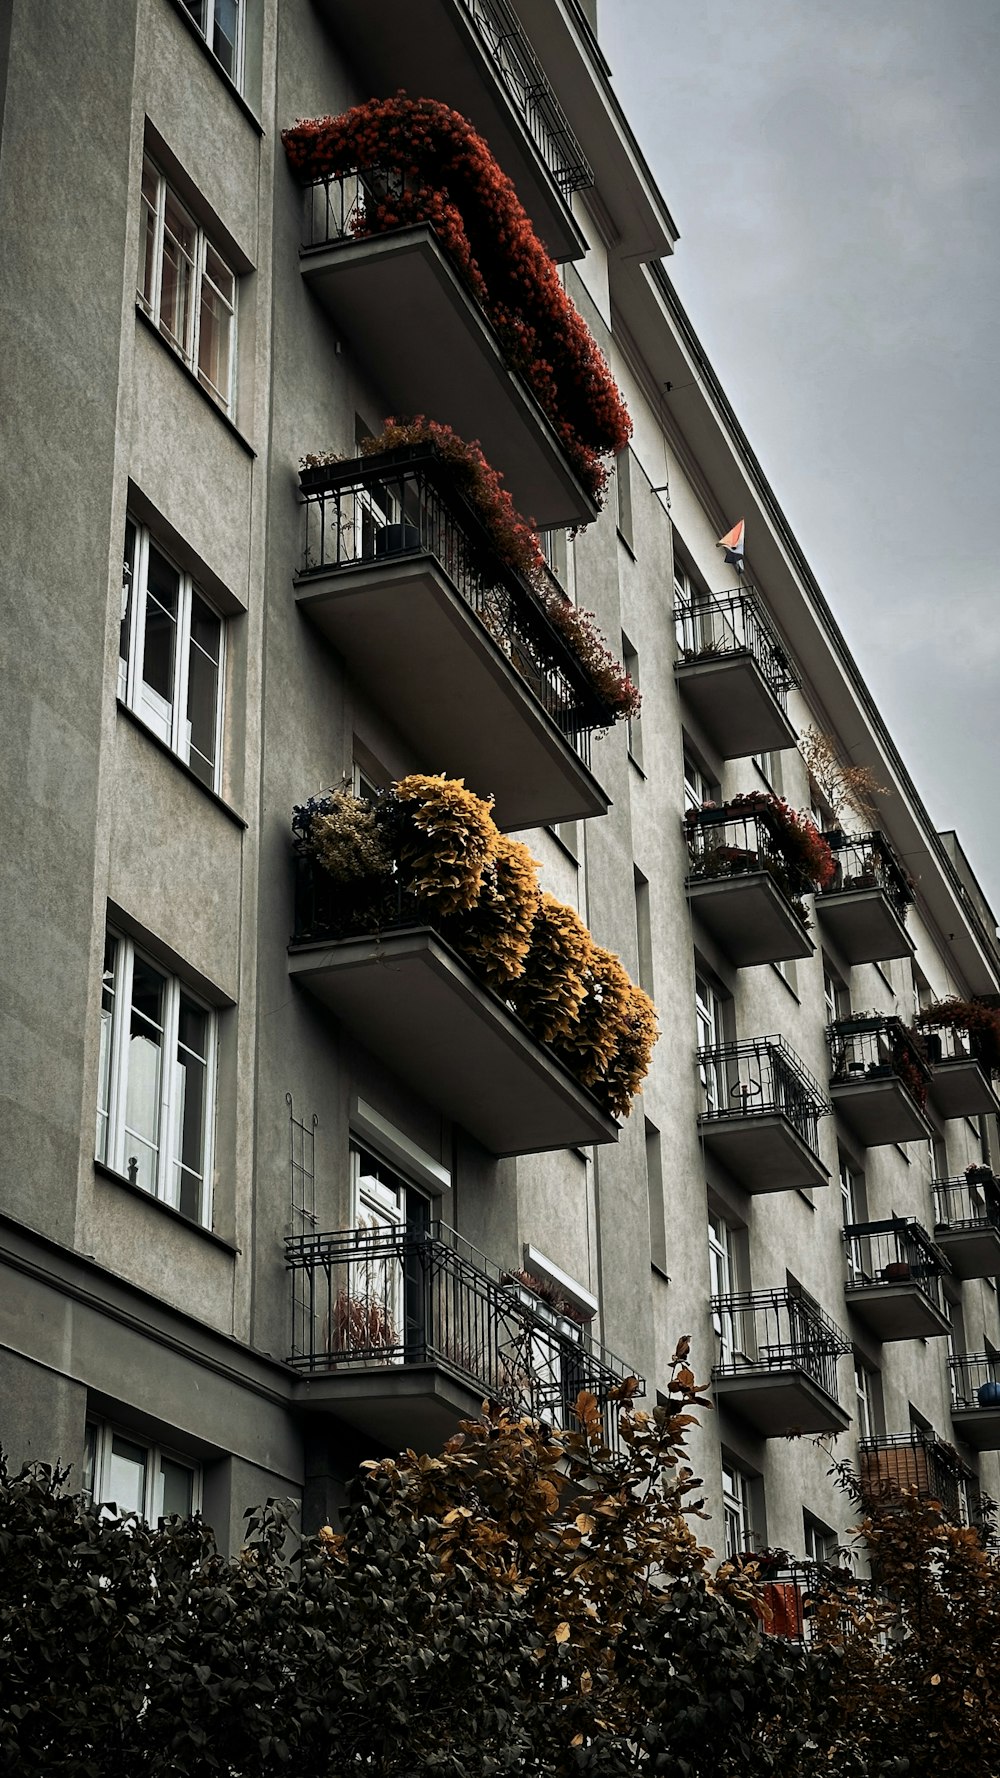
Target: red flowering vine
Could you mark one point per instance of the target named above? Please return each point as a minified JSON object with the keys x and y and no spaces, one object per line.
{"x":796,"y":834}
{"x":426,"y":163}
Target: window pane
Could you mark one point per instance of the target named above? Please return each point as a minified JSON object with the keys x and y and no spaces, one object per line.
{"x":142,"y":1108}
{"x":159,"y":655}
{"x":89,"y":1476}
{"x":146,"y":279}
{"x":104,"y":1065}
{"x":199,"y":12}
{"x":176,"y":311}
{"x":175,"y":1489}
{"x":128,"y":603}
{"x":189,"y":1107}
{"x":227,"y":14}
{"x":203,"y":689}
{"x":216,"y":330}
{"x":127,"y":1476}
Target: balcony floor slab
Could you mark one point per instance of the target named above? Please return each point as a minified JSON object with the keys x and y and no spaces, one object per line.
{"x":777,"y":1403}
{"x":424,"y":338}
{"x":411,"y":1001}
{"x":979,"y":1427}
{"x":972,"y":1251}
{"x":897,"y":1311}
{"x":734,"y":704}
{"x":763,"y":1152}
{"x":880,"y":1111}
{"x":961,"y":1088}
{"x":863,"y":925}
{"x":749,"y":918}
{"x":395,"y":1405}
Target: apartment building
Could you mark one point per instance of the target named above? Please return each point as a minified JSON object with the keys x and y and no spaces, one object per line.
{"x":277,"y":1194}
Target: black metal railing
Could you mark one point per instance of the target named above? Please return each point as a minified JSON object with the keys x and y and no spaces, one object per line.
{"x":372,"y":1298}
{"x":877,"y":1046}
{"x":799,"y":1599}
{"x":867,"y":861}
{"x":327,"y":909}
{"x":975,"y":1380}
{"x":971,"y":1201}
{"x":731,"y":842}
{"x":891,"y":1465}
{"x":518,"y":68}
{"x":895,"y":1251}
{"x":949,"y":1043}
{"x":734,"y":623}
{"x":757,"y":1077}
{"x":377,"y":509}
{"x":777,"y":1330}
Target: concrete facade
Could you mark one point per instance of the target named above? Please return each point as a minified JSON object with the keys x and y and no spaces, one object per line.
{"x":113,"y":1306}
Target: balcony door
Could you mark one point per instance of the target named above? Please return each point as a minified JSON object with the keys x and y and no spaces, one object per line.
{"x":388,"y":1287}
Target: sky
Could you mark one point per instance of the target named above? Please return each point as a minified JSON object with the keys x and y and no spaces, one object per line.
{"x":834,"y":171}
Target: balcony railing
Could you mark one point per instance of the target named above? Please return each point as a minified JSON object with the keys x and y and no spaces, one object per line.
{"x":759,"y":1077}
{"x":971,"y":1201}
{"x":893,"y":1254}
{"x":775,"y":1331}
{"x":867,"y":861}
{"x":975,"y":1380}
{"x":797,"y":1600}
{"x":877,"y":1046}
{"x":377,"y":510}
{"x":380,"y":1300}
{"x":918,"y":1460}
{"x":523,"y":77}
{"x":733,"y":842}
{"x":735,"y":623}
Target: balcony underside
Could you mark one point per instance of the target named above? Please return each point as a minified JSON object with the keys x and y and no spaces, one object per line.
{"x":879,"y":1110}
{"x":900,"y":1311}
{"x":972,"y":1251}
{"x":425,"y":340}
{"x":735,"y":705}
{"x":979,"y":1427}
{"x":395,"y":1405}
{"x":749,"y":918}
{"x":763,"y":1152}
{"x":410,"y":1000}
{"x":424,"y":657}
{"x":776,"y":1403}
{"x":960,"y":1088}
{"x":864,"y":925}
{"x":430,"y":47}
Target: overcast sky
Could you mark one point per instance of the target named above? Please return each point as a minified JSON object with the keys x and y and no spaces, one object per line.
{"x":834,"y":170}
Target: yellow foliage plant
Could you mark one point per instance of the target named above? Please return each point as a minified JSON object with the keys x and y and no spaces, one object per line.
{"x":495,"y":935}
{"x":446,"y":837}
{"x":550,"y":991}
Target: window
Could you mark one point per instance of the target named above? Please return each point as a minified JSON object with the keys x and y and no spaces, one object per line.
{"x":737,"y":1509}
{"x":654,"y":1198}
{"x":698,"y":789}
{"x":836,"y":999}
{"x":221,"y":24}
{"x":623,"y":491}
{"x":868,"y":1395}
{"x":122,"y":1471}
{"x":630,"y":661}
{"x":186,"y":287}
{"x":722,"y":1281}
{"x":819,"y":1542}
{"x":708,"y":1023}
{"x":854,"y":1211}
{"x":170,"y":656}
{"x":643,"y":929}
{"x":555,"y":549}
{"x":156,"y":1089}
{"x":769,"y":767}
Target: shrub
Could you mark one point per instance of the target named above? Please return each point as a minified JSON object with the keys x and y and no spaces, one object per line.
{"x":444,"y":838}
{"x":551,"y":989}
{"x":495,"y":935}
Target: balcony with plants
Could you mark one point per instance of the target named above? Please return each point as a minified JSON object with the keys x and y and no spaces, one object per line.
{"x":434,"y":590}
{"x":425,"y":930}
{"x":975,"y":1398}
{"x":476,"y":53}
{"x":753,"y":861}
{"x":863,"y":908}
{"x":417,"y":245}
{"x":879,"y":1078}
{"x":967,"y":1222}
{"x":734,"y":673}
{"x":760,"y":1114}
{"x":403,"y":1333}
{"x":777,"y":1364}
{"x":893,"y":1465}
{"x":895,"y":1279}
{"x":961,"y":1040}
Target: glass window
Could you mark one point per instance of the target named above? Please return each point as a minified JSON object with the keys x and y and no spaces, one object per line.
{"x":708,"y":1021}
{"x":183,"y":282}
{"x":136,"y":1477}
{"x":156,"y":1081}
{"x":171,"y":656}
{"x":737,"y":1510}
{"x":221,"y":24}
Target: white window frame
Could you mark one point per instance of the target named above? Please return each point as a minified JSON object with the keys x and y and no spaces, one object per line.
{"x":173,"y":731}
{"x":737,"y":1509}
{"x":818,"y":1541}
{"x":722,"y":1278}
{"x":186,"y":350}
{"x":864,"y":1396}
{"x":114,"y":1081}
{"x":208,"y":36}
{"x":100,"y":1436}
{"x":708,"y":1024}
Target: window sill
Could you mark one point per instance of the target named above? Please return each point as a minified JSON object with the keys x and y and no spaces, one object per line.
{"x":785,"y":983}
{"x":186,"y":371}
{"x":136,"y":1191}
{"x":659,"y":1272}
{"x":635,"y":763}
{"x":623,"y":540}
{"x":182,"y":765}
{"x":213,"y":61}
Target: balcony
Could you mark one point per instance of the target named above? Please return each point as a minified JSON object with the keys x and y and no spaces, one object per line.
{"x":733,"y":673}
{"x":975,"y":1399}
{"x":402,"y":579}
{"x":475,"y":55}
{"x":878,"y":1079}
{"x":401,"y":1334}
{"x":967,"y":1223}
{"x":864,"y":910}
{"x":778,"y":1363}
{"x":399,"y":301}
{"x":743,"y":888}
{"x":407,"y":996}
{"x":760,"y":1115}
{"x":891,"y":1466}
{"x":895,"y":1279}
{"x":960,"y":1080}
